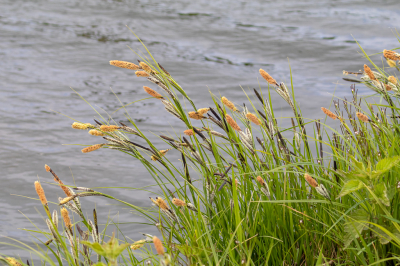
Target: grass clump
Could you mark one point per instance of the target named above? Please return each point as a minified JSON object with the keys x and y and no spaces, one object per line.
{"x":247,"y":191}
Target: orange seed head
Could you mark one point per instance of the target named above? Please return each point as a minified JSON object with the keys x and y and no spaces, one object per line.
{"x":81,"y":126}
{"x":388,"y":54}
{"x":363,"y":117}
{"x":152,"y":92}
{"x":124,"y":64}
{"x":228,"y":104}
{"x":158,"y":245}
{"x":232,"y":122}
{"x":189,"y":132}
{"x":253,"y":118}
{"x":40,"y":192}
{"x":267,"y":77}
{"x":368,"y":71}
{"x":311,"y":181}
{"x":110,"y":128}
{"x":92,"y":148}
{"x":178,"y":202}
{"x":141,"y":74}
{"x":95,"y":132}
{"x":392,"y":80}
{"x":328,"y":113}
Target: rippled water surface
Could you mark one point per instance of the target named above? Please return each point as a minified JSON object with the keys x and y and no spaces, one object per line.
{"x":49,"y":47}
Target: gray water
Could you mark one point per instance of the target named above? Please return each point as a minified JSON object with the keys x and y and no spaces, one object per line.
{"x":49,"y":47}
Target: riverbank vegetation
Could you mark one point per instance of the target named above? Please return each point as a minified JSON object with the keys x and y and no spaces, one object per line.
{"x":247,"y":191}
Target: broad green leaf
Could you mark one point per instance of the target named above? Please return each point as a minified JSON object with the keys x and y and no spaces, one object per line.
{"x":96,"y":247}
{"x":350,"y":186}
{"x":357,"y":164}
{"x":381,"y":235}
{"x":387,"y":163}
{"x":354,"y":227}
{"x":117,"y":250}
{"x":380,"y":192}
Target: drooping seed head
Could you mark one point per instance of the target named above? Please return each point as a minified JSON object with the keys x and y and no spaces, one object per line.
{"x":369,"y":72}
{"x":253,"y":118}
{"x":189,"y":132}
{"x":40,"y":192}
{"x":232,"y":122}
{"x":158,"y":245}
{"x":202,"y":111}
{"x":362,"y":117}
{"x":143,"y":74}
{"x":387,"y":87}
{"x":47,"y":168}
{"x":110,"y":128}
{"x":92,"y":148}
{"x":311,"y":181}
{"x":178,"y":202}
{"x":391,"y":63}
{"x":124,"y":64}
{"x":267,"y":77}
{"x":146,"y":67}
{"x":260,"y":180}
{"x":65,"y":216}
{"x":391,"y":55}
{"x":95,"y":132}
{"x":228,"y":104}
{"x":392,"y":80}
{"x":161,"y":203}
{"x":196,"y":116}
{"x":152,"y":92}
{"x":138,"y":244}
{"x":81,"y":126}
{"x":328,"y":113}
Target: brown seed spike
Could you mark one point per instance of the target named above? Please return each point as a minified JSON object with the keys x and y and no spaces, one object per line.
{"x":152,"y":92}
{"x":92,"y":148}
{"x":162,"y":204}
{"x":47,"y":168}
{"x":67,"y":220}
{"x":178,"y":202}
{"x":158,"y":245}
{"x":81,"y":126}
{"x":369,"y":72}
{"x":95,"y":132}
{"x":189,"y":132}
{"x":146,"y":67}
{"x":228,"y":104}
{"x":329,"y":113}
{"x":362,"y":117}
{"x":142,"y":74}
{"x":110,"y":128}
{"x":40,"y":192}
{"x":391,"y":55}
{"x":202,"y":111}
{"x":311,"y":181}
{"x":232,"y":123}
{"x":196,"y":115}
{"x":267,"y":77}
{"x":392,"y":80}
{"x":260,"y":180}
{"x":124,"y":64}
{"x":253,"y":118}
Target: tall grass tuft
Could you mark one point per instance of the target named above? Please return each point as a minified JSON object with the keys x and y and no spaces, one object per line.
{"x":244,"y":194}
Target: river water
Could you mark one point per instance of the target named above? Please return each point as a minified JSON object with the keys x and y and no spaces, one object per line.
{"x":49,"y":47}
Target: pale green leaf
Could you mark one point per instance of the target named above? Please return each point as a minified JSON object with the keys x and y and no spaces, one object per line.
{"x":386,"y":164}
{"x":350,"y":186}
{"x":380,"y":192}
